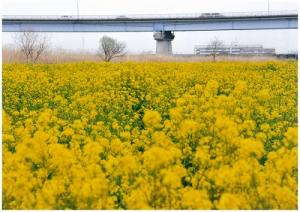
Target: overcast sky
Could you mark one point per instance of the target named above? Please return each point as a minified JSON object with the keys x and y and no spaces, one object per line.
{"x":184,"y":42}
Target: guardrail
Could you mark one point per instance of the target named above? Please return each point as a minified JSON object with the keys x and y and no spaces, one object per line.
{"x":151,"y":16}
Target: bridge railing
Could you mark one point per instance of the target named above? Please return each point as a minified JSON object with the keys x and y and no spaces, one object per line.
{"x":151,"y":16}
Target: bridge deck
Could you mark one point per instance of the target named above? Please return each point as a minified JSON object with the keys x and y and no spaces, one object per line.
{"x":153,"y":16}
{"x":148,"y":23}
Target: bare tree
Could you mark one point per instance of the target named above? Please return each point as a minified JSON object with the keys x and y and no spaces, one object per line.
{"x":110,"y":48}
{"x":215,"y":46}
{"x":31,"y":44}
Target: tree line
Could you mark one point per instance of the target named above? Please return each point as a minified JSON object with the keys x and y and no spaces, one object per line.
{"x":33,"y":45}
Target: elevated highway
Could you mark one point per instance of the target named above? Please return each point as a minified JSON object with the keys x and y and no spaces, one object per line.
{"x":163,"y":26}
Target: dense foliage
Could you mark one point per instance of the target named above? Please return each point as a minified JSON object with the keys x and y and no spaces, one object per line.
{"x":150,"y":136}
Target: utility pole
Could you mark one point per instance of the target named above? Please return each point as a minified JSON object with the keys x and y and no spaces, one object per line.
{"x":77,"y":9}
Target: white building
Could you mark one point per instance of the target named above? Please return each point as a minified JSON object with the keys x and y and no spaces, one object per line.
{"x":234,"y":50}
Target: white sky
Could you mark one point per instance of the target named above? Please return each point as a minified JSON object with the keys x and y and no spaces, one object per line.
{"x":184,"y":42}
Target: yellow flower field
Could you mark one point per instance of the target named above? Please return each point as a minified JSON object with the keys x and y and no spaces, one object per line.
{"x":150,"y":136}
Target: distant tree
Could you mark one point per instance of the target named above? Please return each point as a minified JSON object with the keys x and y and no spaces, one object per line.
{"x":215,"y":46}
{"x":110,"y":48}
{"x":31,"y":44}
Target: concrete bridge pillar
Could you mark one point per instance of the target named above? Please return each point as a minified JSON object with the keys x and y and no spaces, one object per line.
{"x":164,"y":42}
